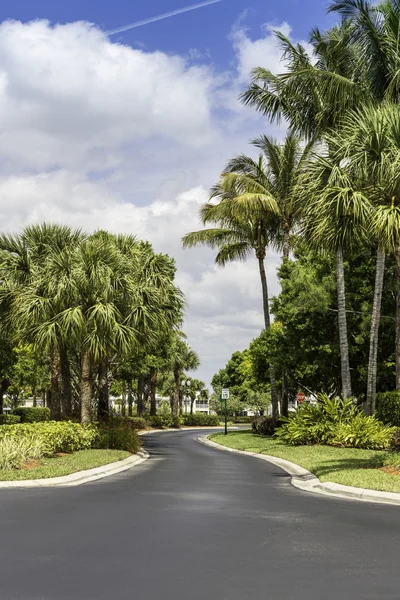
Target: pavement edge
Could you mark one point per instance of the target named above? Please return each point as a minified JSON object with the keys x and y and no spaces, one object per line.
{"x":81,"y":476}
{"x":305,"y":480}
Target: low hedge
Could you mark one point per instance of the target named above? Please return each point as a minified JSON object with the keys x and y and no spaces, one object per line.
{"x":32,"y":414}
{"x":201,"y":420}
{"x":54,"y":436}
{"x":388,"y":408}
{"x":265,"y":425}
{"x":9,"y":419}
{"x":243,"y":419}
{"x":118,"y":433}
{"x":139,"y":422}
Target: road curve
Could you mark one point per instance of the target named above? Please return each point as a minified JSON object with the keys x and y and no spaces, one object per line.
{"x":195,"y":523}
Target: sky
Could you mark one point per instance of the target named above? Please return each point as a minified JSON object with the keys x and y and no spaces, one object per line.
{"x":129,"y":131}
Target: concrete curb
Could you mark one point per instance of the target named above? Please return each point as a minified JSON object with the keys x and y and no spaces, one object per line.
{"x":308,"y":482}
{"x":81,"y":476}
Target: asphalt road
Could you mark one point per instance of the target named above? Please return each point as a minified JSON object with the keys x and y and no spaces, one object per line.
{"x":194,"y":523}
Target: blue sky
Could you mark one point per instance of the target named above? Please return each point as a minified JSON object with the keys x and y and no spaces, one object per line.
{"x":128,"y":132}
{"x":205,"y":29}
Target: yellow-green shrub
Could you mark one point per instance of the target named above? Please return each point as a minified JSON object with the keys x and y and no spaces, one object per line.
{"x":63,"y":436}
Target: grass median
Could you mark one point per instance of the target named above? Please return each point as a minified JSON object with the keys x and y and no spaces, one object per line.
{"x":372,"y":469}
{"x":64,"y":464}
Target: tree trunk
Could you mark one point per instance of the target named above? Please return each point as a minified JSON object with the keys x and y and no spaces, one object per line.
{"x":55,"y":386}
{"x":123,"y":401}
{"x":374,"y":335}
{"x":342,"y":321}
{"x":34,"y":396}
{"x":103,"y":409}
{"x":130,"y":398}
{"x":66,"y":387}
{"x":153,"y":391}
{"x":191,"y":405}
{"x":140,"y":403}
{"x":397,"y":319}
{"x":286,"y":243}
{"x":267,"y":321}
{"x":285,"y":398}
{"x":3,"y":388}
{"x":86,"y":388}
{"x":175,"y":404}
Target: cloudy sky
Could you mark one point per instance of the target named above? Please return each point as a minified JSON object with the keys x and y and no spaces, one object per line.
{"x":128,"y":131}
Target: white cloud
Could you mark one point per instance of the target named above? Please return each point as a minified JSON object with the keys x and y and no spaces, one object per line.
{"x":100,"y":135}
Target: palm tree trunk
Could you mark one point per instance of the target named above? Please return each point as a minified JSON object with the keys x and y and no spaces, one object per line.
{"x":342,"y":320}
{"x":285,"y":398}
{"x":66,"y":387}
{"x":5,"y":384}
{"x":374,"y":335}
{"x":191,"y":405}
{"x":34,"y":396}
{"x":103,"y":410}
{"x":130,"y":398}
{"x":123,"y":402}
{"x":267,"y":321}
{"x":55,"y":385}
{"x":140,"y":403}
{"x":153,"y":391}
{"x":86,"y":388}
{"x":397,"y":318}
{"x":175,"y":404}
{"x":286,"y":243}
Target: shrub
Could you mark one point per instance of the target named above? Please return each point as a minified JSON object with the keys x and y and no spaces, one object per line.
{"x":118,"y":433}
{"x":163,"y":420}
{"x":265,"y":425}
{"x":201,"y":420}
{"x":9,"y":419}
{"x":15,"y":452}
{"x":139,"y":422}
{"x":335,"y":423}
{"x":395,"y":441}
{"x":34,"y":414}
{"x":55,"y":436}
{"x":388,"y":408}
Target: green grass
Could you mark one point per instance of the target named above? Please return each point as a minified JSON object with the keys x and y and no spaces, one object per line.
{"x":348,"y":466}
{"x":65,"y":464}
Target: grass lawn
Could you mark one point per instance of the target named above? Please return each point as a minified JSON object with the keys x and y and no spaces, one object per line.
{"x":64,"y":464}
{"x":348,"y":466}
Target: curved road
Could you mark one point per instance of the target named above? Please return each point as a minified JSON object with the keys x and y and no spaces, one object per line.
{"x":194,"y":523}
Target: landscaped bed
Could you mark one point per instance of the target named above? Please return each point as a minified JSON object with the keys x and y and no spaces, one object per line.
{"x":372,"y":469}
{"x":63,"y":464}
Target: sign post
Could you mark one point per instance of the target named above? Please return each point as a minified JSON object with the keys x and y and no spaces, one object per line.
{"x":225,"y":398}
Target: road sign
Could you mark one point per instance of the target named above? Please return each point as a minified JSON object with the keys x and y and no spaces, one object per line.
{"x":300,"y":397}
{"x":225,"y":394}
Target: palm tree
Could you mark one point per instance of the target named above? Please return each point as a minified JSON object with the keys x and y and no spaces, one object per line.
{"x":182,"y":358}
{"x":259,"y":207}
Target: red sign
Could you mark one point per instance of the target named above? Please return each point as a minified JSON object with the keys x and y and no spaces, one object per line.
{"x":300,"y":397}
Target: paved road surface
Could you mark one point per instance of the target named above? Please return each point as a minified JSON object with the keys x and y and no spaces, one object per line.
{"x":194,"y":523}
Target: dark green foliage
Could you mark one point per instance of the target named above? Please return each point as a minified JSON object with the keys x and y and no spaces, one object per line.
{"x":201,"y":420}
{"x":118,"y":433}
{"x":166,"y":420}
{"x":243,"y":420}
{"x":139,"y":422}
{"x":395,"y":441}
{"x":335,"y":423}
{"x":265,"y":425}
{"x":9,"y":419}
{"x":32,"y":414}
{"x":388,"y":408}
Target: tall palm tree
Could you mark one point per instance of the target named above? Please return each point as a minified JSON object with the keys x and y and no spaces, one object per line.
{"x":258,"y":207}
{"x":182,"y":358}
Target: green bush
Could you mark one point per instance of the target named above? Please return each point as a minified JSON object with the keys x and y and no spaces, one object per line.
{"x":15,"y":452}
{"x":395,"y":441}
{"x":335,"y":423}
{"x":388,"y":408}
{"x":34,"y":414}
{"x":201,"y":420}
{"x":118,"y":433}
{"x":139,"y":422}
{"x":164,"y":420}
{"x":63,"y":436}
{"x":265,"y":425}
{"x":243,"y":419}
{"x":9,"y":419}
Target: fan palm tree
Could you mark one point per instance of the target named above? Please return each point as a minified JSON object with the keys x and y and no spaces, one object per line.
{"x":258,"y":207}
{"x":182,"y":358}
